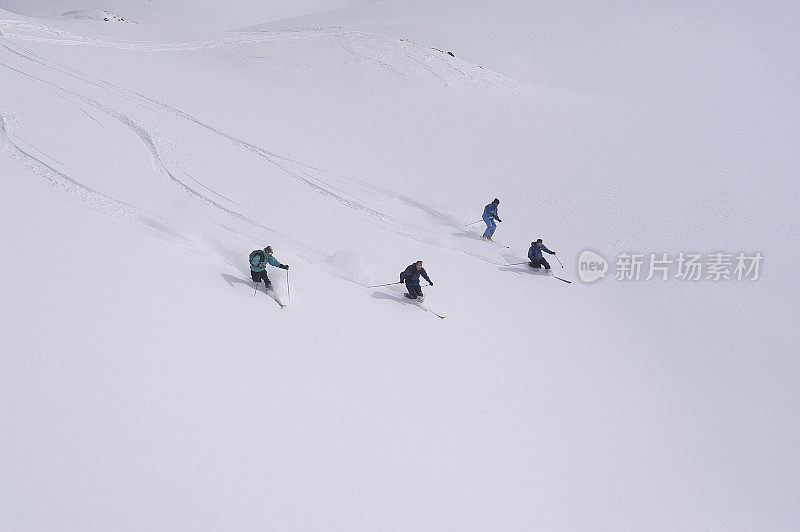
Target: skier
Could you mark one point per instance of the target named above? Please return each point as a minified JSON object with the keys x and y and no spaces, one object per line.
{"x":411,"y":277}
{"x":489,"y":216}
{"x":535,"y":255}
{"x":258,"y":265}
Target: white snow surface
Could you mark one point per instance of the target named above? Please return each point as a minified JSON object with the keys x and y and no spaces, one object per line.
{"x":142,"y":385}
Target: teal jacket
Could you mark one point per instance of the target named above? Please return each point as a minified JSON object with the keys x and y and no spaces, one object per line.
{"x":257,"y":266}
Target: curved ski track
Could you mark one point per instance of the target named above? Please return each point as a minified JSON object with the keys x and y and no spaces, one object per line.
{"x":315,"y":178}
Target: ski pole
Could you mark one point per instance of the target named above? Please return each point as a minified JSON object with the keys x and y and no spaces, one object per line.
{"x":288,"y":292}
{"x":387,"y":284}
{"x":473,"y":223}
{"x":518,"y":263}
{"x":559,"y":260}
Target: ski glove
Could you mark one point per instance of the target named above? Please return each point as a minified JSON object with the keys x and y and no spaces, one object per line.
{"x":498,"y":219}
{"x":284,"y":266}
{"x":431,"y":282}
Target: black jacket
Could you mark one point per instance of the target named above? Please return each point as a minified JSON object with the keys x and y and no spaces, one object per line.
{"x":411,"y":276}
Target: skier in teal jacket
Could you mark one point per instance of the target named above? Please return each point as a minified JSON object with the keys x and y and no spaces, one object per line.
{"x":258,"y":265}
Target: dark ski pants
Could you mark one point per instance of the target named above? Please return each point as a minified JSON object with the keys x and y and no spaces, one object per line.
{"x":414,"y":290}
{"x":539,"y":263}
{"x":259,"y":276}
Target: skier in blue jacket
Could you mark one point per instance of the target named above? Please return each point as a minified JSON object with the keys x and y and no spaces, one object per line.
{"x":535,"y":255}
{"x":489,"y":216}
{"x":258,"y":265}
{"x":411,"y":277}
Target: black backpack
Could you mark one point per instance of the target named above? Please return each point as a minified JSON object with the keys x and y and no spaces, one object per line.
{"x":260,"y":254}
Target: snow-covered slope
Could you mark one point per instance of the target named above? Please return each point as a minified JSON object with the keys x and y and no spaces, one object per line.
{"x":144,"y":386}
{"x":203,"y":15}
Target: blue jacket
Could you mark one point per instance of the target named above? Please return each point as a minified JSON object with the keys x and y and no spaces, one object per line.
{"x":490,"y":211}
{"x":535,"y":253}
{"x":257,"y":266}
{"x":411,"y":276}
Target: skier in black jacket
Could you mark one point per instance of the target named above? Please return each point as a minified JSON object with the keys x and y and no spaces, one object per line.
{"x":411,"y":277}
{"x":535,"y":255}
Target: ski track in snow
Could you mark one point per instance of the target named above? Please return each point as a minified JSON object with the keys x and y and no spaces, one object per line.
{"x":300,"y":170}
{"x":69,"y":185}
{"x":146,"y":137}
{"x":321,"y":181}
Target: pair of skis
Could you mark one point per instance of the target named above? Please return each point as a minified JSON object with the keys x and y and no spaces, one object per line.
{"x":551,"y":274}
{"x":423,"y":307}
{"x":270,"y":293}
{"x":416,"y":301}
{"x":496,"y":243}
{"x":548,"y":272}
